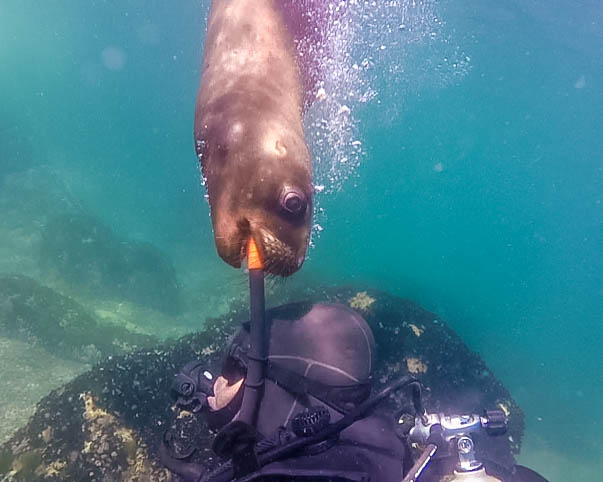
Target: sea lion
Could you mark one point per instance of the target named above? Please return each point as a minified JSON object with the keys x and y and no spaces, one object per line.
{"x":249,"y":135}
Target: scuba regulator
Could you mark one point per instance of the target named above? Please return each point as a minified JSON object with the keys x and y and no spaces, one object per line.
{"x":452,"y":436}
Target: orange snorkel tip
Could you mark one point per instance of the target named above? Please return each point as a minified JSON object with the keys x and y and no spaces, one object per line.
{"x":254,"y":260}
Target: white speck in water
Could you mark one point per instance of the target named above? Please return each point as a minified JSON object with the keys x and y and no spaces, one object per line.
{"x":356,"y":143}
{"x":319,"y":188}
{"x":439,"y":167}
{"x":580,"y":83}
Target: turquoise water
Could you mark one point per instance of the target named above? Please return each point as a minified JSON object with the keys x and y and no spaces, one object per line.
{"x":477,"y":190}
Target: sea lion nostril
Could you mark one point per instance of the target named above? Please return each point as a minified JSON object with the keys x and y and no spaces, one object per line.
{"x":244,"y":227}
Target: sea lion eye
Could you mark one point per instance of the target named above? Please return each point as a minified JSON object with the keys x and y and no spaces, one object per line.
{"x":293,"y":201}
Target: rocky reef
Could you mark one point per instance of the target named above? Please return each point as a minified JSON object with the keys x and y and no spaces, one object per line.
{"x":47,"y":233}
{"x":40,"y":316}
{"x":88,"y":256}
{"x":107,"y":424}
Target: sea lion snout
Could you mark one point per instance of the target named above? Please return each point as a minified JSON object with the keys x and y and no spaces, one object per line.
{"x":281,"y":235}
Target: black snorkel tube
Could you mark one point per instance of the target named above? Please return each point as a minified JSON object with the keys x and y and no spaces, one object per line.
{"x":237,"y":440}
{"x":258,"y":333}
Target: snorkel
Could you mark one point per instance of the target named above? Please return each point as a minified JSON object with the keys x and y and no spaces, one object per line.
{"x":238,"y":439}
{"x":258,"y":356}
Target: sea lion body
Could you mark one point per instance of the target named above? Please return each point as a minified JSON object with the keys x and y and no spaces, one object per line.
{"x":249,"y":135}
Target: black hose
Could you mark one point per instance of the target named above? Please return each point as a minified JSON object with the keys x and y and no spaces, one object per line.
{"x":225,"y":473}
{"x":341,"y":424}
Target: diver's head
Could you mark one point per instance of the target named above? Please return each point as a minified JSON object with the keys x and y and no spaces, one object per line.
{"x":324,"y":343}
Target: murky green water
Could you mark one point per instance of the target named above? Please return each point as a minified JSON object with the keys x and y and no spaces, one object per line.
{"x":476,"y":190}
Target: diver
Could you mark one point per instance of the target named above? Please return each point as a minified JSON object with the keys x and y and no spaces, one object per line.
{"x":318,"y":372}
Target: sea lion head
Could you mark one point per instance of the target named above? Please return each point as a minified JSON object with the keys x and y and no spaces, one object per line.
{"x":259,"y":183}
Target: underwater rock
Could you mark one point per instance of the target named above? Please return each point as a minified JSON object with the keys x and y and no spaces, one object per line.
{"x":107,"y":424}
{"x":90,"y":257}
{"x":28,"y":200}
{"x":40,"y":316}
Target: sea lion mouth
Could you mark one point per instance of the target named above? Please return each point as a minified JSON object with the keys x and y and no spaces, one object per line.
{"x":278,"y":257}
